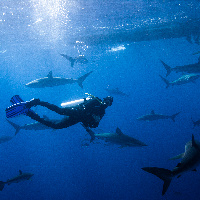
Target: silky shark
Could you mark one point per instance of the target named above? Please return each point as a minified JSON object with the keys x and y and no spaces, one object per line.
{"x":80,"y":59}
{"x":51,"y":81}
{"x":153,"y":116}
{"x":190,"y":160}
{"x":16,"y":179}
{"x":116,"y":138}
{"x":182,"y":80}
{"x":32,"y":126}
{"x":191,"y":68}
{"x":116,"y":91}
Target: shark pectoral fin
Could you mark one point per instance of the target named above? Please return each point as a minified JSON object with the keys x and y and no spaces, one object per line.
{"x":194,"y":170}
{"x":118,"y":131}
{"x":20,"y":172}
{"x":178,"y":176}
{"x":166,"y":81}
{"x":178,"y":156}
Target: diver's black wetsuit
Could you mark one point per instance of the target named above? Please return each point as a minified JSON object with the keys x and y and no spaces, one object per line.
{"x":89,"y":113}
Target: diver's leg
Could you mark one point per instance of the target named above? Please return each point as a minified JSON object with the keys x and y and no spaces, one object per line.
{"x":64,"y":123}
{"x":61,"y":111}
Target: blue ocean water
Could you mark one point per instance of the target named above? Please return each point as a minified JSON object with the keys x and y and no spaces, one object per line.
{"x":33,"y":35}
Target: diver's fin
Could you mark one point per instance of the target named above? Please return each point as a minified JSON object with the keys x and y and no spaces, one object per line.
{"x":82,"y":78}
{"x":17,"y":108}
{"x":166,"y":81}
{"x":16,"y":126}
{"x":164,"y":174}
{"x":2,"y":184}
{"x":16,"y":99}
{"x":173,"y":116}
{"x":167,"y":67}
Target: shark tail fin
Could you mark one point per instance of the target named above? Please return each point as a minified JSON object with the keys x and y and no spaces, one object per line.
{"x":166,"y":81}
{"x":72,"y":60}
{"x":15,"y":126}
{"x":167,"y":67}
{"x":82,"y":78}
{"x":2,"y":184}
{"x":164,"y":174}
{"x":91,"y":133}
{"x":173,"y":116}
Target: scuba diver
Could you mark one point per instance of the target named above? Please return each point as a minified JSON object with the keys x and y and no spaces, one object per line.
{"x":89,"y":111}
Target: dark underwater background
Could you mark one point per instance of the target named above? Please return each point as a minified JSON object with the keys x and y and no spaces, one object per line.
{"x":65,"y":164}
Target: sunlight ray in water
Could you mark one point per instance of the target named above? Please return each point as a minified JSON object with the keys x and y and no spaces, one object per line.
{"x":49,"y":19}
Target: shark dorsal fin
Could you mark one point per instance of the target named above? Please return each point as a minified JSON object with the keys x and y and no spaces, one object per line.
{"x":194,"y":144}
{"x":152,"y":112}
{"x":118,"y":131}
{"x":50,"y":75}
{"x":20,"y":172}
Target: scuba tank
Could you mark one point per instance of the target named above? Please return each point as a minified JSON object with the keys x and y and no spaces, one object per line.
{"x":74,"y":103}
